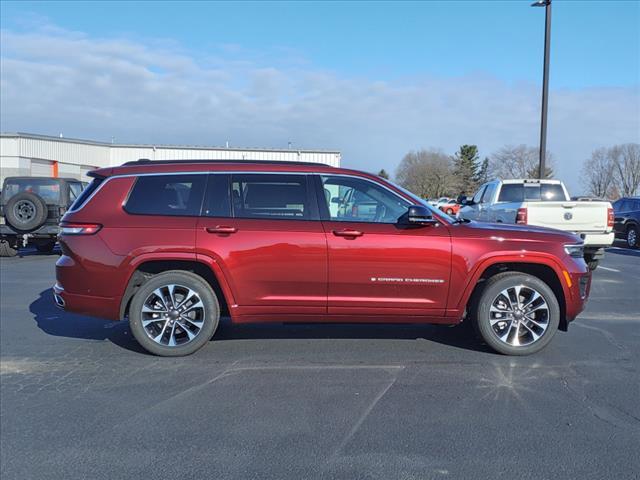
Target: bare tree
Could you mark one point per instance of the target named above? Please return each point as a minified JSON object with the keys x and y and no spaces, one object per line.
{"x":518,"y":161}
{"x":598,"y":173}
{"x":426,"y":173}
{"x":626,"y":159}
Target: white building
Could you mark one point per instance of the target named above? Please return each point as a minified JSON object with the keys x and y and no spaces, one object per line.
{"x":45,"y":156}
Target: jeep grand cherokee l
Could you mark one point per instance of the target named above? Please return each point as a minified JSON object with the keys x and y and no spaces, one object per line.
{"x":172,"y":245}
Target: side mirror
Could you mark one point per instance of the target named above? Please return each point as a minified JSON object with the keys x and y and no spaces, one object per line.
{"x":468,"y":201}
{"x":419,"y":215}
{"x":336,"y":200}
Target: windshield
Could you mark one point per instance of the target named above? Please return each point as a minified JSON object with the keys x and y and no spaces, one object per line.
{"x":422,"y":201}
{"x":48,"y":189}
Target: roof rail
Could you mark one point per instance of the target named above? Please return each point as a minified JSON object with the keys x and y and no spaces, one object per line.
{"x":146,"y":161}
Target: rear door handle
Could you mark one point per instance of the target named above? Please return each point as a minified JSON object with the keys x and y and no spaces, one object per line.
{"x":347,"y":233}
{"x":221,"y":229}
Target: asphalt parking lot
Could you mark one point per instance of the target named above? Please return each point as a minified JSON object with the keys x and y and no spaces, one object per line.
{"x":79,"y":398}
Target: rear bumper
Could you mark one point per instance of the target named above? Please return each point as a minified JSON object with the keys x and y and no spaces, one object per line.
{"x":102,"y":307}
{"x":597,"y":239}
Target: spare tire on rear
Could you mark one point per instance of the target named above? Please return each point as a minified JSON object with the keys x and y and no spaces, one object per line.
{"x":25,"y":211}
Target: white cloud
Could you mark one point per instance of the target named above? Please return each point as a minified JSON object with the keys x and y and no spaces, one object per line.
{"x":152,"y":91}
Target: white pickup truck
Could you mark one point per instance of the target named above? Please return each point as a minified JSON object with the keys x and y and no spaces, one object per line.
{"x":544,"y":203}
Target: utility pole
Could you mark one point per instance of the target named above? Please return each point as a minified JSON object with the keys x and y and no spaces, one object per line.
{"x":545,"y":84}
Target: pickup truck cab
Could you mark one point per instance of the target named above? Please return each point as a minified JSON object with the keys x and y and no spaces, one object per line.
{"x":544,"y":203}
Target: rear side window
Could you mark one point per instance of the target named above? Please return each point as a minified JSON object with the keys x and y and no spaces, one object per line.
{"x":167,"y":195}
{"x":270,"y":196}
{"x":86,"y":193}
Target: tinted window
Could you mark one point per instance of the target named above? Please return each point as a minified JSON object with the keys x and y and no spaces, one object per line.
{"x":511,"y":192}
{"x":86,"y":193}
{"x":217,"y":201}
{"x":270,"y":196}
{"x":167,"y":195}
{"x":49,"y":190}
{"x":552,"y":192}
{"x":352,"y":199}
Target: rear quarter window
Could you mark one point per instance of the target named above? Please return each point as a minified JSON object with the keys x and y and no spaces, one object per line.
{"x":174,"y":195}
{"x":86,"y":193}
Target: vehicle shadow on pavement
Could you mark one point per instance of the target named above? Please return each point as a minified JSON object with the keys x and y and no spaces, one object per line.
{"x":459,"y":336}
{"x":56,"y":322}
{"x":624,"y":251}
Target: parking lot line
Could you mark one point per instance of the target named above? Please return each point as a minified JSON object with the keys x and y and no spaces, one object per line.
{"x":609,"y":269}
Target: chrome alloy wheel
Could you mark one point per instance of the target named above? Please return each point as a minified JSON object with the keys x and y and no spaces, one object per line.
{"x":519,"y":316}
{"x":173,"y":315}
{"x":632,"y":238}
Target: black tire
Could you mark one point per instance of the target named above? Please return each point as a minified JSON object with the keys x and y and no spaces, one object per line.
{"x":481,"y":320}
{"x":591,"y":262}
{"x":210,"y":313}
{"x":25,"y":211}
{"x":8,"y":249}
{"x":46,"y":247}
{"x":632,"y":236}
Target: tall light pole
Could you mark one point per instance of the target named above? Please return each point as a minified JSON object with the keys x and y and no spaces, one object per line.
{"x":545,"y":83}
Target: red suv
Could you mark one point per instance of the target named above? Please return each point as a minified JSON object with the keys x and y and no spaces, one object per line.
{"x":173,"y":245}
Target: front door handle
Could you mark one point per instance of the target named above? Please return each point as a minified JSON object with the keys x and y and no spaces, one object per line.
{"x":223,"y":229}
{"x":347,"y":232}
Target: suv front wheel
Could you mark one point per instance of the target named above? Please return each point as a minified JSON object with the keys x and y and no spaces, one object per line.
{"x":173,"y":314}
{"x":516,"y":314}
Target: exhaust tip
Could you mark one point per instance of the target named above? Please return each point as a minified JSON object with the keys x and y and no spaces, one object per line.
{"x":59,"y":300}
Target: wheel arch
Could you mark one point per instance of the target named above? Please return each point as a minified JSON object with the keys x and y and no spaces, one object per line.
{"x":147,"y":269}
{"x":543,"y":270}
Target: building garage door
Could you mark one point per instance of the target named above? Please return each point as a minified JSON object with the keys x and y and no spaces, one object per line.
{"x":84,"y":169}
{"x":41,"y":168}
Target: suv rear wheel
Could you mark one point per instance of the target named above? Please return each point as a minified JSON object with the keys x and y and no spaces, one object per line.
{"x":173,"y":314}
{"x":516,"y":314}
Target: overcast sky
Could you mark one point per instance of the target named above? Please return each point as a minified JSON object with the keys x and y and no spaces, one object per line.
{"x":373,"y":80}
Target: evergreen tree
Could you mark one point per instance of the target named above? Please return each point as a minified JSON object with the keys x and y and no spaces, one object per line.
{"x":483,"y":172}
{"x":465,"y":167}
{"x":383,"y":174}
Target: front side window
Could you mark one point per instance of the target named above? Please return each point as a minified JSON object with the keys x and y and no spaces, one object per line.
{"x":270,"y":196}
{"x":167,"y":195}
{"x":350,"y":199}
{"x":477,"y":198}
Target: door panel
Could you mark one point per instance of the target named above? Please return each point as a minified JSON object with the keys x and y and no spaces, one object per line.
{"x":264,"y":232}
{"x":276,"y":264}
{"x":388,"y":269}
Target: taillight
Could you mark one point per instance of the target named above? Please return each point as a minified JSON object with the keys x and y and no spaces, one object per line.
{"x":610,"y":217}
{"x":79,"y":228}
{"x":521,"y":216}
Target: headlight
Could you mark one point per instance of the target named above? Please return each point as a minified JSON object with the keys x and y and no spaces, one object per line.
{"x":574,"y":250}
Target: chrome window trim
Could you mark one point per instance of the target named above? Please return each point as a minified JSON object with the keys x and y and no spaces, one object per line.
{"x":252,"y":172}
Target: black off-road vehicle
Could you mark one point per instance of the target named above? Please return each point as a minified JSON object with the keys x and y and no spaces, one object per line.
{"x":30,"y":210}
